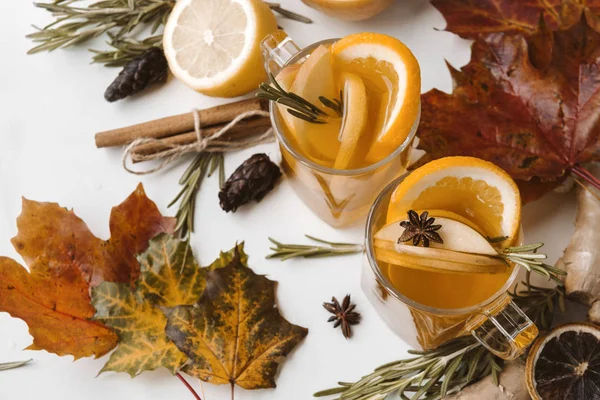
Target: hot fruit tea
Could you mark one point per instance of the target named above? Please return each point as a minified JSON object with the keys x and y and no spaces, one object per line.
{"x":366,"y":88}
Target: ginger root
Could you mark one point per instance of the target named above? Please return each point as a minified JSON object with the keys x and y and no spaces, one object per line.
{"x":581,"y":259}
{"x":512,"y":386}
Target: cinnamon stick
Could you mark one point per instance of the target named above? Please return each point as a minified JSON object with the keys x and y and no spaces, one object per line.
{"x":182,"y":123}
{"x":244,"y":128}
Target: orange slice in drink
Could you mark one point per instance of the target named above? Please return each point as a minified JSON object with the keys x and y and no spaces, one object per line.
{"x":315,"y":79}
{"x":390,"y":66}
{"x":474,"y":189}
{"x":354,"y":122}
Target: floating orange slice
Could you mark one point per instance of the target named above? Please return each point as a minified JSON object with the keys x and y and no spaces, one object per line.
{"x":374,"y":54}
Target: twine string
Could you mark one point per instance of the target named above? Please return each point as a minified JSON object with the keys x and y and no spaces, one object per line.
{"x":173,"y":152}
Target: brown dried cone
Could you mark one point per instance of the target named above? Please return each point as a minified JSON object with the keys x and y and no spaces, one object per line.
{"x":139,"y":73}
{"x":251,"y":181}
{"x":343,"y":315}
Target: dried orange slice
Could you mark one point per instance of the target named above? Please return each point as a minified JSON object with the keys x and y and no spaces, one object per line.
{"x":565,"y":364}
{"x":472,"y":188}
{"x":388,"y":63}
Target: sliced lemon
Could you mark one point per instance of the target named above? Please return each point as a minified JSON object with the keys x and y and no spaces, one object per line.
{"x":457,"y":236}
{"x":354,"y":122}
{"x":350,"y":10}
{"x":213,"y":46}
{"x":472,"y":188}
{"x":315,"y":79}
{"x":392,"y":67}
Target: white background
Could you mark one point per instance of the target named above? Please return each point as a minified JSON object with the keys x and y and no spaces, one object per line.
{"x":51,"y":106}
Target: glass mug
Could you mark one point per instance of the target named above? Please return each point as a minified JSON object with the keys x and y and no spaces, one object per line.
{"x":338,"y":197}
{"x":496,"y":322}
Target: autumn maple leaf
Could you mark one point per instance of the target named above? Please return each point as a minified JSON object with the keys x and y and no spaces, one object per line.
{"x":537,"y":124}
{"x":235,"y":334}
{"x":471,"y":19}
{"x":65,"y":259}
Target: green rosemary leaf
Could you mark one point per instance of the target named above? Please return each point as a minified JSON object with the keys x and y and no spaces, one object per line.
{"x":286,"y":251}
{"x":332,"y":104}
{"x":204,"y":164}
{"x":304,"y":117}
{"x":13,"y":365}
{"x":296,"y":105}
{"x":74,"y":25}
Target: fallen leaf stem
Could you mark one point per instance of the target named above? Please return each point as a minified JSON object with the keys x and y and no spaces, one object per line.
{"x":586,"y":176}
{"x":188,"y":386}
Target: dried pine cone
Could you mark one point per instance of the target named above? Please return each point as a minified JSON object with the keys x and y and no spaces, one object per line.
{"x":151,"y":67}
{"x":251,"y":181}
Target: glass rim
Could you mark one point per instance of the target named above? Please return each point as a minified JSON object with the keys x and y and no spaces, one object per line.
{"x":327,"y":170}
{"x":389,"y":287}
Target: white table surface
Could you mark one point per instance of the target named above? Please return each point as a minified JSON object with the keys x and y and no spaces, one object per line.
{"x":52,"y":104}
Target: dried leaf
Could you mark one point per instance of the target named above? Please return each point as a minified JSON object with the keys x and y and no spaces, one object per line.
{"x":140,"y":326}
{"x":226,"y":257}
{"x":49,"y":234}
{"x":56,"y":307}
{"x":64,"y":259}
{"x":235,"y":334}
{"x":529,"y":121}
{"x":471,"y":19}
{"x":169,"y":277}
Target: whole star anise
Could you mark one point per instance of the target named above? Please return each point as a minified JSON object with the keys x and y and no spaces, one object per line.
{"x":343,"y":315}
{"x":420,"y":229}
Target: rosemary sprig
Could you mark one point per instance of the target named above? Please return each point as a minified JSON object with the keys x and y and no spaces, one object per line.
{"x":74,"y":25}
{"x":287,"y":251}
{"x":540,"y":303}
{"x":205,"y":164}
{"x":429,"y":375}
{"x":296,"y":105}
{"x":78,"y":24}
{"x":125,"y":50}
{"x":13,"y":365}
{"x":527,"y":257}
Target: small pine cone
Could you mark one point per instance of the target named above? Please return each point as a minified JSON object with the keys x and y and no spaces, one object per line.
{"x":251,"y":181}
{"x":151,"y":67}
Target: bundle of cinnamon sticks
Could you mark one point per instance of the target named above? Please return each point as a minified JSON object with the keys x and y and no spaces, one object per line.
{"x":180,"y":129}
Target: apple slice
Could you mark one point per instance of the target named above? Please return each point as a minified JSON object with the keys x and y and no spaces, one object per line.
{"x":314,"y":79}
{"x":285,"y":79}
{"x":354,"y":121}
{"x":457,"y":236}
{"x":403,"y":260}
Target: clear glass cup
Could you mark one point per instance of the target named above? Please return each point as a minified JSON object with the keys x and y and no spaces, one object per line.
{"x":497,"y":323}
{"x":338,"y":197}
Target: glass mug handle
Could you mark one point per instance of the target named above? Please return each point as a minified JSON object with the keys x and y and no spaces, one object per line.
{"x":277,"y":49}
{"x":507,"y":332}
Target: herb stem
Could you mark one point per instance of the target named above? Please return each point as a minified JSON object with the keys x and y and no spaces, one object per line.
{"x":204,"y":165}
{"x":13,"y":365}
{"x":286,"y":251}
{"x":188,"y":386}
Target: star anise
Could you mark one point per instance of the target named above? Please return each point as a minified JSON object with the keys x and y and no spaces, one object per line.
{"x":420,"y":229}
{"x":343,"y":315}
